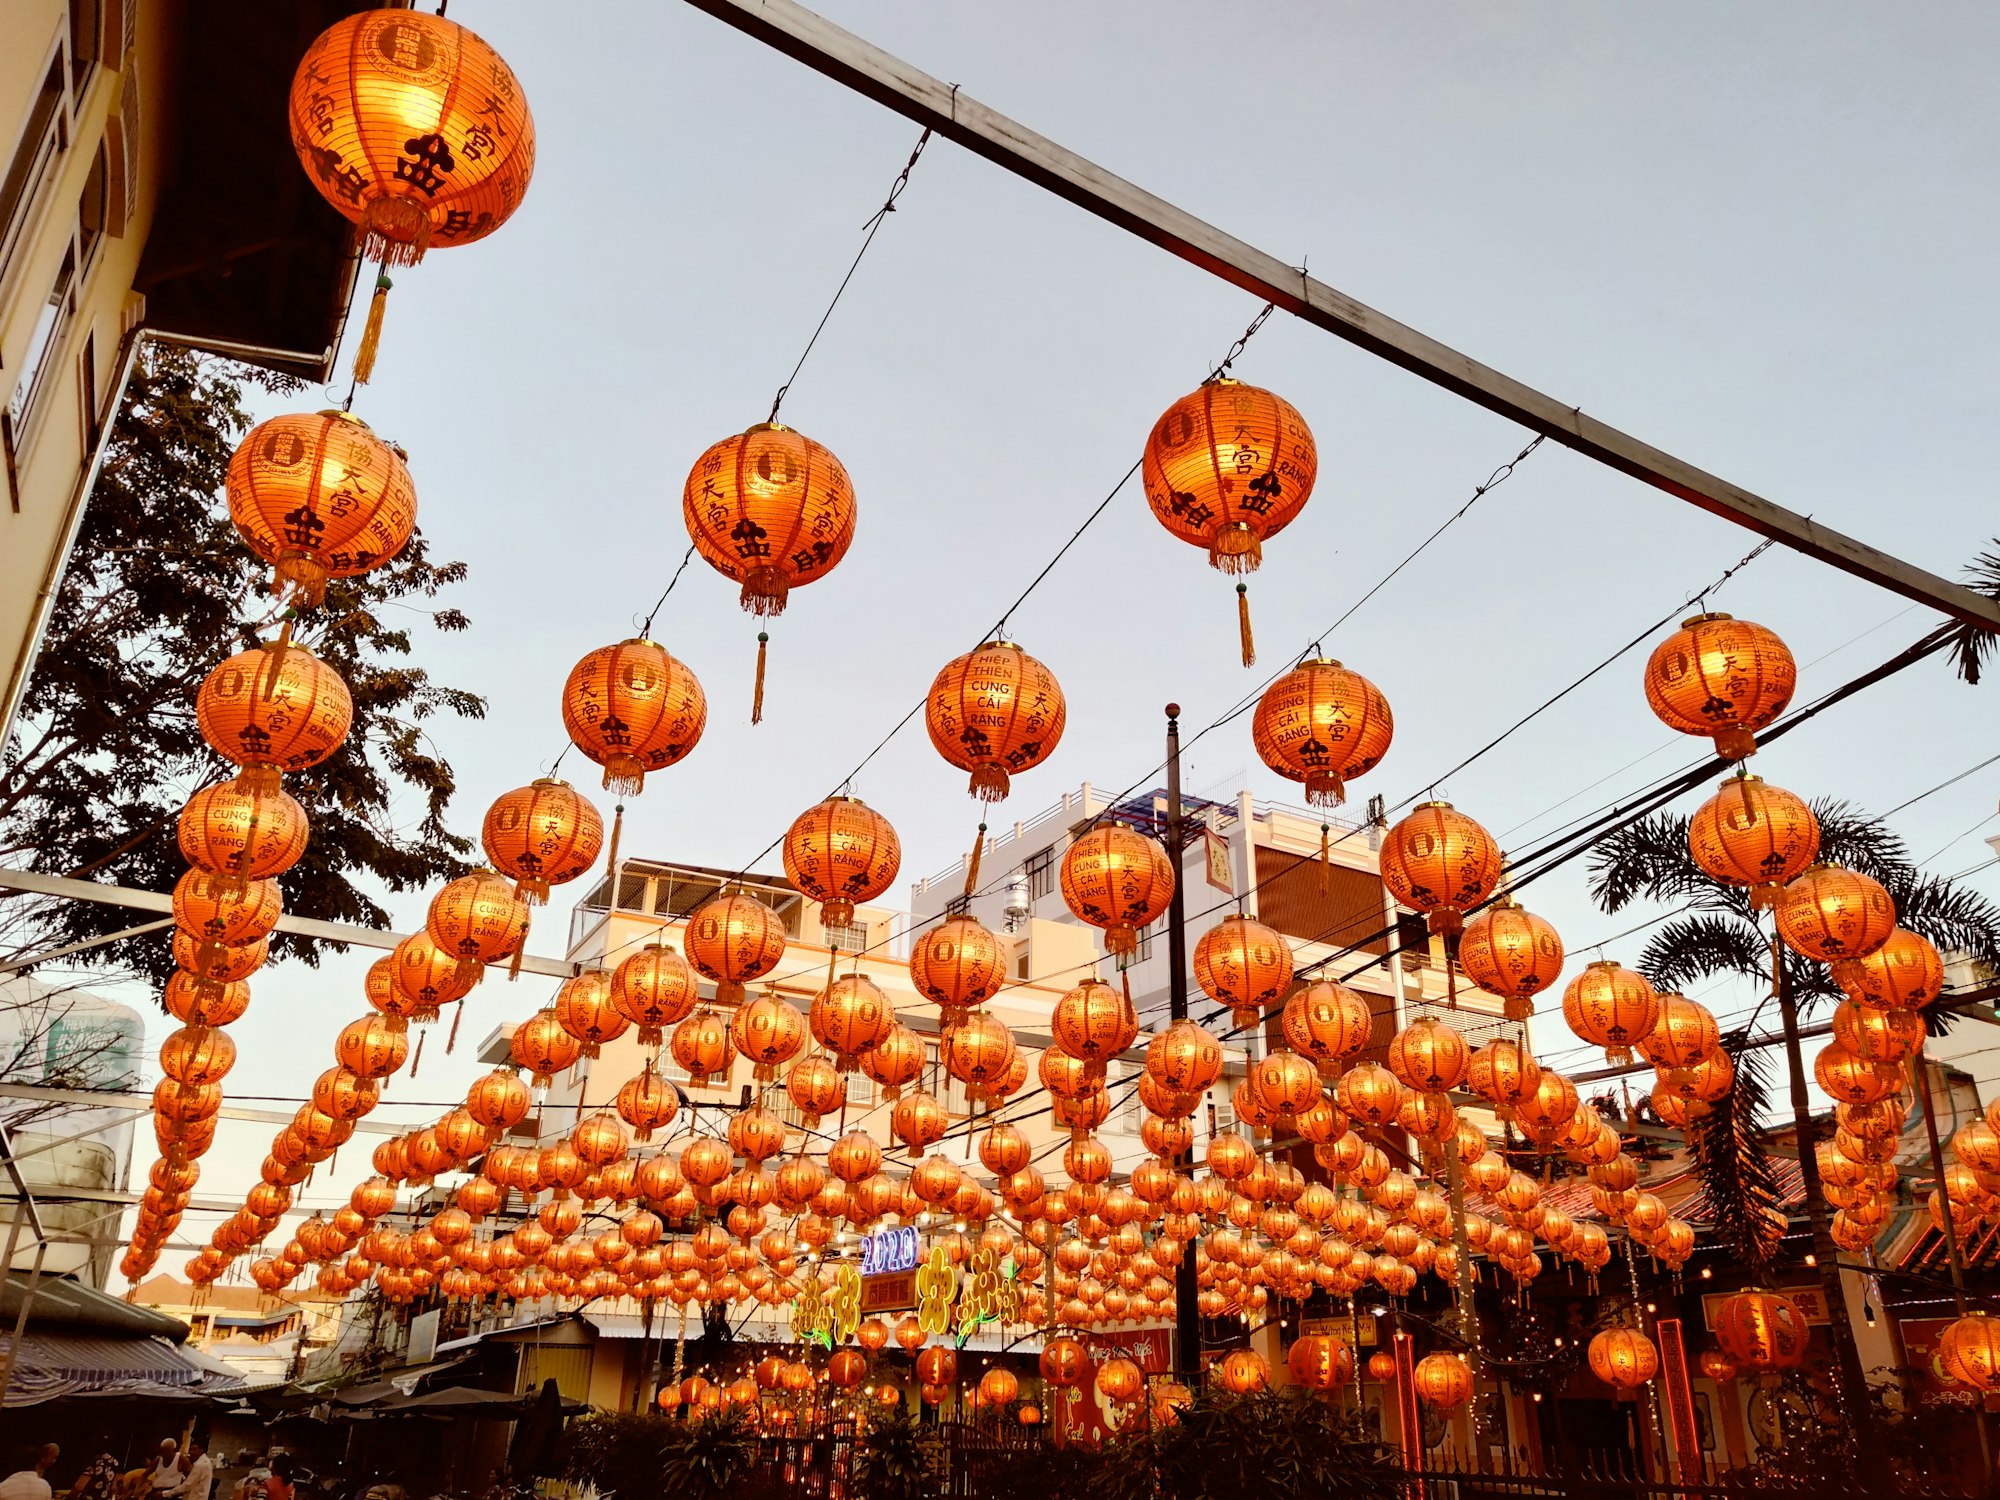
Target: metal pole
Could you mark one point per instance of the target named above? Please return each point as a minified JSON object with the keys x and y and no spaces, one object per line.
{"x":949,"y":111}
{"x":21,"y":1321}
{"x":1187,"y":1289}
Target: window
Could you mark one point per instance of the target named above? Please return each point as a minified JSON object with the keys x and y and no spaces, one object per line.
{"x":1143,"y":950}
{"x":50,"y":326}
{"x":86,"y":385}
{"x":850,"y":937}
{"x":86,"y":41}
{"x":1041,"y":872}
{"x":45,"y":137}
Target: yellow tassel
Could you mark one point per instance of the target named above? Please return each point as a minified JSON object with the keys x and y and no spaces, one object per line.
{"x":1243,"y":624}
{"x":417,"y":1056}
{"x":611,"y":860}
{"x":1325,"y":862}
{"x":457,"y":1015}
{"x":371,"y":331}
{"x":972,"y":865}
{"x":757,"y":698}
{"x":514,"y":963}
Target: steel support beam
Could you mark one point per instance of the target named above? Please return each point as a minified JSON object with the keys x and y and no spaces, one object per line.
{"x":114,"y":1098}
{"x":328,"y":932}
{"x":950,"y":112}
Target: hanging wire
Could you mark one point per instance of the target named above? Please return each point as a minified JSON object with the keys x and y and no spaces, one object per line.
{"x":873,"y":227}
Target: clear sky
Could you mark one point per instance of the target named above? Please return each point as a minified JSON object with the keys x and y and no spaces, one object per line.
{"x":1757,"y":236}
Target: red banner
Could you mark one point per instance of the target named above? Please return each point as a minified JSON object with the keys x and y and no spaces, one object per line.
{"x":1081,"y":1414}
{"x":1680,"y":1399}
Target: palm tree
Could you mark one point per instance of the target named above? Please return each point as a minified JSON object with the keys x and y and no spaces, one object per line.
{"x":1717,"y":931}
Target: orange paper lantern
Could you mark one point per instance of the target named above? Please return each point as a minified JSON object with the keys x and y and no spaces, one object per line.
{"x":242,"y":830}
{"x":841,"y":852}
{"x":1116,"y":878}
{"x":414,"y":129}
{"x":958,"y":963}
{"x":1511,"y":952}
{"x":1244,"y":965}
{"x":734,"y":939}
{"x":633,"y":708}
{"x":653,"y":989}
{"x":274,"y":708}
{"x":1721,"y":677}
{"x":1831,"y":912}
{"x":1322,"y":725}
{"x":1612,"y":1007}
{"x":995,"y":712}
{"x":543,"y":834}
{"x":772,"y":510}
{"x":319,"y":496}
{"x":1761,"y":1330}
{"x":1441,"y":863}
{"x":1905,"y":973}
{"x":1754,"y":835}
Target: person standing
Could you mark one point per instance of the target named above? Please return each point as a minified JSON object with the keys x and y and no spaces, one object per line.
{"x":32,"y":1482}
{"x":279,"y":1485}
{"x":200,"y":1475}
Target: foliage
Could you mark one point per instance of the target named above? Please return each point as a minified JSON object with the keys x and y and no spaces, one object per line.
{"x":1279,"y":1445}
{"x":106,"y":749}
{"x":1970,"y":646}
{"x":1734,"y":1166}
{"x":896,"y":1459}
{"x":648,"y":1454}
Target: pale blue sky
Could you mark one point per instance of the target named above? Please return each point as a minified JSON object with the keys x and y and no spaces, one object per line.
{"x":1758,"y":236}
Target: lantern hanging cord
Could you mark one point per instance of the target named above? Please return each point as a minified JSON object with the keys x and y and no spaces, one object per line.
{"x":873,"y":227}
{"x":1248,"y":334}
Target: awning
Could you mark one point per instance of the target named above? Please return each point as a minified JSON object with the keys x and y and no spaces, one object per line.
{"x":52,"y":1365}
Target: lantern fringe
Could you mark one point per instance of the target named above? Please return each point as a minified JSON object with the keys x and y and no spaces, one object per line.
{"x":451,"y":1039}
{"x":1235,"y":549}
{"x":1325,"y":788}
{"x":757,"y":696}
{"x":534,"y":892}
{"x":1243,"y":625}
{"x":624,"y":776}
{"x":972,"y":864}
{"x":299,"y":578}
{"x":1736,"y":743}
{"x":765,"y":591}
{"x":371,"y":332}
{"x":989,"y":783}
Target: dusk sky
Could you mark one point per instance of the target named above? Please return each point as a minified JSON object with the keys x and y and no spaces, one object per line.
{"x":1757,"y":236}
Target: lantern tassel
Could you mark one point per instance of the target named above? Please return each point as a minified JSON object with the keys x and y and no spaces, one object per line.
{"x":371,"y":331}
{"x":514,"y":963}
{"x":1243,"y":624}
{"x":417,"y":1056}
{"x":972,"y":864}
{"x":611,"y":862}
{"x":451,"y":1040}
{"x":1325,"y":862}
{"x":757,"y":697}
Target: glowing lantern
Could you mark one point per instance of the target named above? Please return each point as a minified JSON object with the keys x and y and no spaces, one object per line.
{"x":1370,"y":1093}
{"x":1243,"y":1371}
{"x":275,"y":708}
{"x":1623,"y":1357}
{"x":768,"y":1031}
{"x":1717,"y":1366}
{"x":1721,"y":677}
{"x":584,"y":1009}
{"x":478,"y":920}
{"x":1969,"y":1351}
{"x":242,"y":831}
{"x":414,"y":129}
{"x":1382,"y":1367}
{"x":1318,"y":1363}
{"x":1546,"y":1112}
{"x":770,"y":509}
{"x":543,"y":1046}
{"x":1184,"y":1058}
{"x":918,"y":1120}
{"x":653,"y":989}
{"x":1878,"y":1036}
{"x":958,"y":963}
{"x":1611,"y":1007}
{"x":1512,"y":953}
{"x":1328,"y":1023}
{"x":426,"y":976}
{"x":1244,"y":965}
{"x":1684,"y":1036}
{"x":734,"y":939}
{"x":1761,"y":1330}
{"x":1064,"y":1361}
{"x":371,"y":1047}
{"x":1753,"y":835}
{"x":1227,"y":467}
{"x":849,"y":1016}
{"x":1322,"y":725}
{"x":1833,"y":913}
{"x":1853,"y":1079}
{"x":1429,"y":1056}
{"x":896,"y":1061}
{"x":319,"y":496}
{"x":998,"y":1387}
{"x":980,"y":1053}
{"x":938,"y":1365}
{"x":840,"y":852}
{"x":816,"y":1089}
{"x":1441,"y":863}
{"x":647,"y":1102}
{"x":543,"y":834}
{"x":1116,"y":878}
{"x":1905,"y":973}
{"x":700,"y":1044}
{"x":995,"y":712}
{"x":222,"y":963}
{"x":196,"y":1055}
{"x":1093,"y":1023}
{"x":1443,"y":1381}
{"x":1120,"y":1380}
{"x":224,"y":913}
{"x":633,"y":708}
